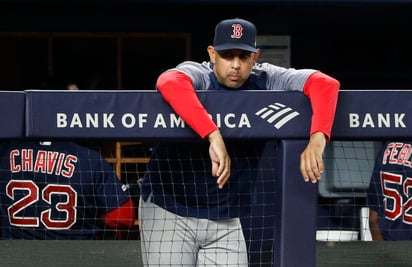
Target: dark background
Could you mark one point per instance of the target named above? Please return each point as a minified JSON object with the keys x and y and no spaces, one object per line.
{"x":364,"y":44}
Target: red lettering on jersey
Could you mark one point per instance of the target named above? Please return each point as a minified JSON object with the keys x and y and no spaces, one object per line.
{"x":404,"y":155}
{"x":27,"y":160}
{"x":406,"y":186}
{"x":59,"y":164}
{"x":394,"y":153}
{"x":40,"y":164}
{"x":67,"y":207}
{"x":386,"y":180}
{"x":68,"y":164}
{"x":237,"y":31}
{"x":13,"y":166}
{"x":386,"y":153}
{"x":398,"y":153}
{"x":51,"y":162}
{"x":44,"y":162}
{"x":408,"y":156}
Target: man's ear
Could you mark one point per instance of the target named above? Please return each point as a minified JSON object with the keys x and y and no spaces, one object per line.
{"x":212,"y":53}
{"x":256,"y":55}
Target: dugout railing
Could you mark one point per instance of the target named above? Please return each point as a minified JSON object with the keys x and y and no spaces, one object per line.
{"x":285,"y":116}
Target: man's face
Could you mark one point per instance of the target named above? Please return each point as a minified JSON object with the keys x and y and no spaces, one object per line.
{"x":232,"y":67}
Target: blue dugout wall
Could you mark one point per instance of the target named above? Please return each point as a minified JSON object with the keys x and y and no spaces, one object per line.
{"x":284,"y":116}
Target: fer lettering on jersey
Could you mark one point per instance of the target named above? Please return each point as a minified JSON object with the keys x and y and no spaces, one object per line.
{"x":398,"y":153}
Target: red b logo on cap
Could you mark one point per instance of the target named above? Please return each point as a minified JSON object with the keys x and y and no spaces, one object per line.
{"x":237,"y":31}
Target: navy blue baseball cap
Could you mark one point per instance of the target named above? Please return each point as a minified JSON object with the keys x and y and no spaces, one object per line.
{"x":235,"y":34}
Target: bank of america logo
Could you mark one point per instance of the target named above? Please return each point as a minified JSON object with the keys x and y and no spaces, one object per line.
{"x":277,"y":113}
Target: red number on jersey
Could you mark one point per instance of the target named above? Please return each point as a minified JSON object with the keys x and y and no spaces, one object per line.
{"x":68,"y":208}
{"x":400,"y":208}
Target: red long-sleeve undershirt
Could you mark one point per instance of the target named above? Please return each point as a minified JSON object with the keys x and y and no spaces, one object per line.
{"x":123,"y":216}
{"x":322,"y":91}
{"x":177,"y":89}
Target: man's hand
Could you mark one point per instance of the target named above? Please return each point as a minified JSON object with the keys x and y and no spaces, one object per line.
{"x":219,"y":157}
{"x":311,"y":161}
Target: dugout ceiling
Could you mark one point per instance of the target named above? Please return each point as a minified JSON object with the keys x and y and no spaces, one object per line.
{"x":365,"y":44}
{"x":91,"y":60}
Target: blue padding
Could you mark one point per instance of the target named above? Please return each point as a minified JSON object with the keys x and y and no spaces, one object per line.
{"x":372,"y":114}
{"x":144,"y":114}
{"x":360,"y":115}
{"x":12,"y":114}
{"x":296,"y":200}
